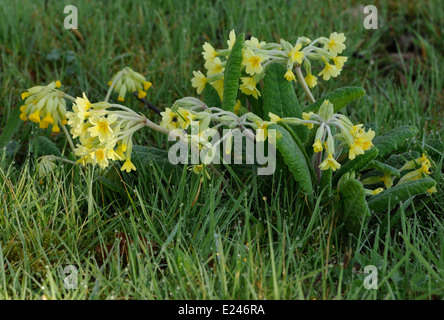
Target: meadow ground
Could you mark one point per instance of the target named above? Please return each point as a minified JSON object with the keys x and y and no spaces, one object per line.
{"x":161,"y":236}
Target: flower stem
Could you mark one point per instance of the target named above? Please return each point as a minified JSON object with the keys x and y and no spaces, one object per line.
{"x":68,"y":137}
{"x":304,"y":84}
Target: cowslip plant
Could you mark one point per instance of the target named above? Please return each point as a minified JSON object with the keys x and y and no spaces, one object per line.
{"x":249,"y":86}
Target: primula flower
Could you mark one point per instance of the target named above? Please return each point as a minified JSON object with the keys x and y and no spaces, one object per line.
{"x":329,"y":71}
{"x":317,"y":146}
{"x":209,"y":53}
{"x":248,"y":87}
{"x":335,"y":44}
{"x":329,"y":163}
{"x":44,"y":105}
{"x":252,"y":61}
{"x":296,"y":55}
{"x":254,"y":42}
{"x":199,"y":81}
{"x":231,"y":39}
{"x":101,"y":127}
{"x":127,"y":80}
{"x":311,"y":80}
{"x":339,"y":61}
{"x":289,"y":75}
{"x":415,"y":163}
{"x":306,"y":116}
{"x":170,"y":119}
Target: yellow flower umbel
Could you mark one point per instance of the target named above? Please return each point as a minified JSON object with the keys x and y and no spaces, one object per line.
{"x":127,"y":80}
{"x":45,"y":105}
{"x":105,"y":134}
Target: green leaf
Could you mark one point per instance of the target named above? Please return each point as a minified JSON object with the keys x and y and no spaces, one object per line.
{"x":357,"y":164}
{"x":280,"y":98}
{"x":148,"y":156}
{"x":279,"y":95}
{"x":42,"y":146}
{"x":232,"y":74}
{"x":294,"y":158}
{"x":339,"y":97}
{"x":325,"y":183}
{"x":13,"y":123}
{"x":375,"y":164}
{"x":211,"y":97}
{"x":394,"y":139}
{"x":354,"y":208}
{"x":389,"y":198}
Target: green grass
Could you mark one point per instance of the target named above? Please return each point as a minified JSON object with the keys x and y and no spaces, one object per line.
{"x":173,"y":237}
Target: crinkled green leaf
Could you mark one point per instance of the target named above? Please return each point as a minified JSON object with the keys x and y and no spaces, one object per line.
{"x":211,"y":97}
{"x":357,"y":164}
{"x":394,"y":139}
{"x":232,"y":74}
{"x":339,"y":97}
{"x":375,"y":164}
{"x":280,"y":97}
{"x":43,"y":146}
{"x":389,"y":198}
{"x":146,"y":157}
{"x":294,"y":158}
{"x":354,"y":208}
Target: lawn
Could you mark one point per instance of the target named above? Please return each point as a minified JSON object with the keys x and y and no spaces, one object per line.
{"x":165,"y":234}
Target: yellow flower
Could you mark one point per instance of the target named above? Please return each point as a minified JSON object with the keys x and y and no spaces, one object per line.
{"x":311,"y":80}
{"x":237,"y":107}
{"x":376,"y":191}
{"x":200,"y":168}
{"x":209,"y":53}
{"x":413,"y":163}
{"x":339,"y":61}
{"x":219,"y":86}
{"x":214,"y":66}
{"x":58,"y":84}
{"x":199,"y":81}
{"x":296,"y":55}
{"x":306,"y":116}
{"x":46,"y":121}
{"x":329,"y":163}
{"x":289,"y":75}
{"x":128,"y":166}
{"x":252,"y":62}
{"x":169,"y":119}
{"x":274,"y":117}
{"x":335,"y":43}
{"x":254,"y":42}
{"x":317,"y":146}
{"x":362,"y":141}
{"x":35,"y":117}
{"x":231,"y":39}
{"x":432,"y":190}
{"x":354,"y":151}
{"x":261,"y":130}
{"x":387,"y":180}
{"x":146,"y":85}
{"x":328,"y":71}
{"x":99,"y":156}
{"x":101,"y":127}
{"x":141,"y":94}
{"x":248,"y":87}
{"x":184,"y":117}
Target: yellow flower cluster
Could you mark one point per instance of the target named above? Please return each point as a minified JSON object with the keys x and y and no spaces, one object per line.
{"x":127,"y":80}
{"x":354,"y":136}
{"x":258,"y":55}
{"x":424,"y":165}
{"x":44,"y":105}
{"x":104,"y":134}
